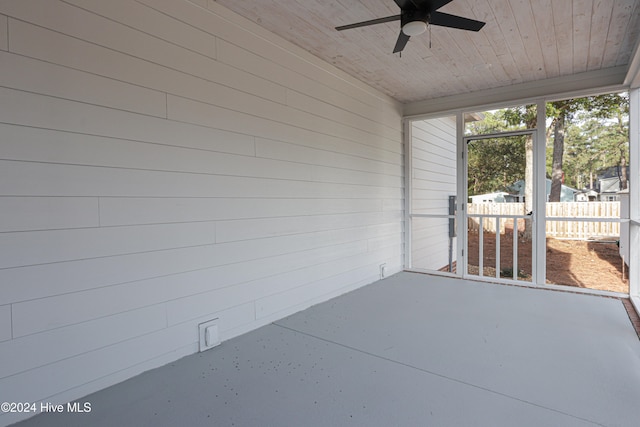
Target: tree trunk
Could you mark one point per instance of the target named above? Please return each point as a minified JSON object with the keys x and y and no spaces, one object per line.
{"x":623,"y":172}
{"x":558,"y":151}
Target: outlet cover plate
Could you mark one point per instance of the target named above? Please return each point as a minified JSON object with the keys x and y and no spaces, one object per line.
{"x":383,"y":270}
{"x":209,"y":334}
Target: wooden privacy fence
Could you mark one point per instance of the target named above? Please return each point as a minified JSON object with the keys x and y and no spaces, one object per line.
{"x":583,"y":230}
{"x":489,"y":224}
{"x":565,"y":229}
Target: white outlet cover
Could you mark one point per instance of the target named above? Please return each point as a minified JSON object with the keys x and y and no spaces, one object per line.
{"x":383,"y":270}
{"x":209,"y":334}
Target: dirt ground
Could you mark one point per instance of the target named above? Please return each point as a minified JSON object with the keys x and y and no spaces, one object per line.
{"x":584,"y":264}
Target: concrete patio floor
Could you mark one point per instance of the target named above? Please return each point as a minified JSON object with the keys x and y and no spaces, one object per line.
{"x":410,"y":350}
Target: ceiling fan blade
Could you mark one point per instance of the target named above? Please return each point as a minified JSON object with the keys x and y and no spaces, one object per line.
{"x":453,"y":21}
{"x":437,"y":4}
{"x":431,"y":4}
{"x":402,"y":4}
{"x":371,"y":22}
{"x":401,"y":43}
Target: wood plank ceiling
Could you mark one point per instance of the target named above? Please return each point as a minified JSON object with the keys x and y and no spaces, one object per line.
{"x":523,"y":41}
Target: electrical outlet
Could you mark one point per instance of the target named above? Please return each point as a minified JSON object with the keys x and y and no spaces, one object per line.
{"x":383,"y":271}
{"x":209,"y":334}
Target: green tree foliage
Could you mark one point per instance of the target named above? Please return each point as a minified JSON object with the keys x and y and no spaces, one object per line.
{"x":495,"y":164}
{"x":563,"y":114}
{"x":587,"y":135}
{"x":598,"y":140}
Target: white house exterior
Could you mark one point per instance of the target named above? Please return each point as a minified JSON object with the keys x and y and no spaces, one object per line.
{"x":497,"y":197}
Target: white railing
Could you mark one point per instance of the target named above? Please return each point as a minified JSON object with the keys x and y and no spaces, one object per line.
{"x":492,"y":209}
{"x":575,"y":223}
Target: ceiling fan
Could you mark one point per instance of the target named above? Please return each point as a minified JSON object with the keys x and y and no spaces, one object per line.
{"x":414,"y":17}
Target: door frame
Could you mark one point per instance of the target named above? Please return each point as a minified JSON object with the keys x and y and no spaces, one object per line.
{"x":463,"y":165}
{"x":539,"y":144}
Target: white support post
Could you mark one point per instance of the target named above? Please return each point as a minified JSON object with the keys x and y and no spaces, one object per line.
{"x":481,"y":247}
{"x":515,"y":249}
{"x":408,"y":172}
{"x":539,"y":243}
{"x":461,"y":211}
{"x":634,"y":197}
{"x":497,"y":248}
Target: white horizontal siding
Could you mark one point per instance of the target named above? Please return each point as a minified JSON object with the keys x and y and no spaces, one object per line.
{"x":136,"y":15}
{"x":421,"y":176}
{"x":41,"y":247}
{"x":26,"y":352}
{"x":424,"y":150}
{"x":33,"y":110}
{"x":361,"y":160}
{"x":433,"y":166}
{"x":89,"y":366}
{"x":392,"y":204}
{"x":23,"y":73}
{"x":433,"y":181}
{"x":127,"y":211}
{"x":5,"y":322}
{"x":43,"y":280}
{"x":302,"y":84}
{"x":4,"y":40}
{"x":37,"y":145}
{"x":243,"y":34}
{"x":259,"y":228}
{"x":268,"y":318}
{"x":31,"y":179}
{"x":166,"y":66}
{"x":128,"y":296}
{"x":192,"y":306}
{"x":81,"y":55}
{"x":382,"y":242}
{"x":47,"y":213}
{"x":268,"y":120}
{"x":276,"y":303}
{"x":167,"y":162}
{"x":99,"y":31}
{"x":311,"y":105}
{"x":339,"y":175}
{"x":430,"y":244}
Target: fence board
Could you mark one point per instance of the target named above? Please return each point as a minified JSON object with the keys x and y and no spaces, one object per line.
{"x":579,"y":230}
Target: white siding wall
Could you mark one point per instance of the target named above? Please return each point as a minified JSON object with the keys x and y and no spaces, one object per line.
{"x":433,"y":181}
{"x":164,"y":162}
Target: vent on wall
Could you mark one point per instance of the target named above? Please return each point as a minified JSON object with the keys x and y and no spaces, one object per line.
{"x":209,"y":334}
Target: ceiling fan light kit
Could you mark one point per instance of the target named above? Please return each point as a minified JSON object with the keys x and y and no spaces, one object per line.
{"x":415,"y":16}
{"x":414,"y":28}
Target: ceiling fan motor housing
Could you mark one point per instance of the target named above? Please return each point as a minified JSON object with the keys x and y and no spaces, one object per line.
{"x":411,"y":15}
